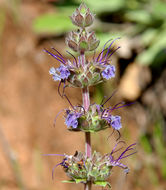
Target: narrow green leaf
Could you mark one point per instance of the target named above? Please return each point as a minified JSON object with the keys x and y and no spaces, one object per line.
{"x":80,"y":180}
{"x":68,"y":181}
{"x":102,"y":183}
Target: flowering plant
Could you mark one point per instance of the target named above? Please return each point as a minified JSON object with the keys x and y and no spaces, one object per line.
{"x":88,"y":168}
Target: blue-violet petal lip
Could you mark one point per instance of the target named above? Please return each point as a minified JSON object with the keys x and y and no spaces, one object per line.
{"x":71,"y":120}
{"x":64,"y":72}
{"x":52,"y":71}
{"x":109,"y":72}
{"x":56,"y":77}
{"x":116,"y":122}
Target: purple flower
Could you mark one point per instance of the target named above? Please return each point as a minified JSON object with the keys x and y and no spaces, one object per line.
{"x":55,"y":76}
{"x":116,"y":122}
{"x":64,"y":72}
{"x":71,"y":119}
{"x":60,"y":73}
{"x":106,"y":113}
{"x":109,"y":72}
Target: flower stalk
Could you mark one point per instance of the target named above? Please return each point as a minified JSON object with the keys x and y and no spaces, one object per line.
{"x":89,"y":167}
{"x":86,"y":104}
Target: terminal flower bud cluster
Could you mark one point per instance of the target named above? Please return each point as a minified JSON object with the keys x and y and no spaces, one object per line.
{"x":82,"y":72}
{"x":82,"y":17}
{"x":82,"y":40}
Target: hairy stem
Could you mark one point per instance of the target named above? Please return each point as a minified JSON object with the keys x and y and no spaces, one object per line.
{"x":86,"y":104}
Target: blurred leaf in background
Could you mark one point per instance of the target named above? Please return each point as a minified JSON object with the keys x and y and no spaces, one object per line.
{"x":54,"y":24}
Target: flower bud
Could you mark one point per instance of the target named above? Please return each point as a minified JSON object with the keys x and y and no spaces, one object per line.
{"x":82,"y":41}
{"x":82,"y":17}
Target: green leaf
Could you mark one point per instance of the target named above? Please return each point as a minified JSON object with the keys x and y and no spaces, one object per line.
{"x":159,"y":8}
{"x":155,"y":54}
{"x":140,"y":16}
{"x":146,"y":144}
{"x":148,"y":36}
{"x":102,"y":183}
{"x":56,"y":23}
{"x":80,"y":180}
{"x":68,"y":181}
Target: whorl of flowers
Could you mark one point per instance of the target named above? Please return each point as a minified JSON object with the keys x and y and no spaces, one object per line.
{"x":96,"y":118}
{"x":96,"y":169}
{"x":81,"y":75}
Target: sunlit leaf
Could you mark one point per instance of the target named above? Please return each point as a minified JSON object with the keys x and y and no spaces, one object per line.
{"x":155,"y":54}
{"x":55,"y":23}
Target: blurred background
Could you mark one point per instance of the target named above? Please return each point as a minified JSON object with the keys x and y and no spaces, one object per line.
{"x":29,"y":100}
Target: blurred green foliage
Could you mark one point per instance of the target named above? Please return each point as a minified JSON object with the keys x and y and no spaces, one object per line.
{"x":57,"y":23}
{"x":154,"y":146}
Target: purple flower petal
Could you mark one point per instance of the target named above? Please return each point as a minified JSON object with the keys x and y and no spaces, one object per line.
{"x":55,"y":76}
{"x":64,"y":72}
{"x":116,"y":122}
{"x":52,"y":71}
{"x":71,"y":120}
{"x":109,"y":72}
